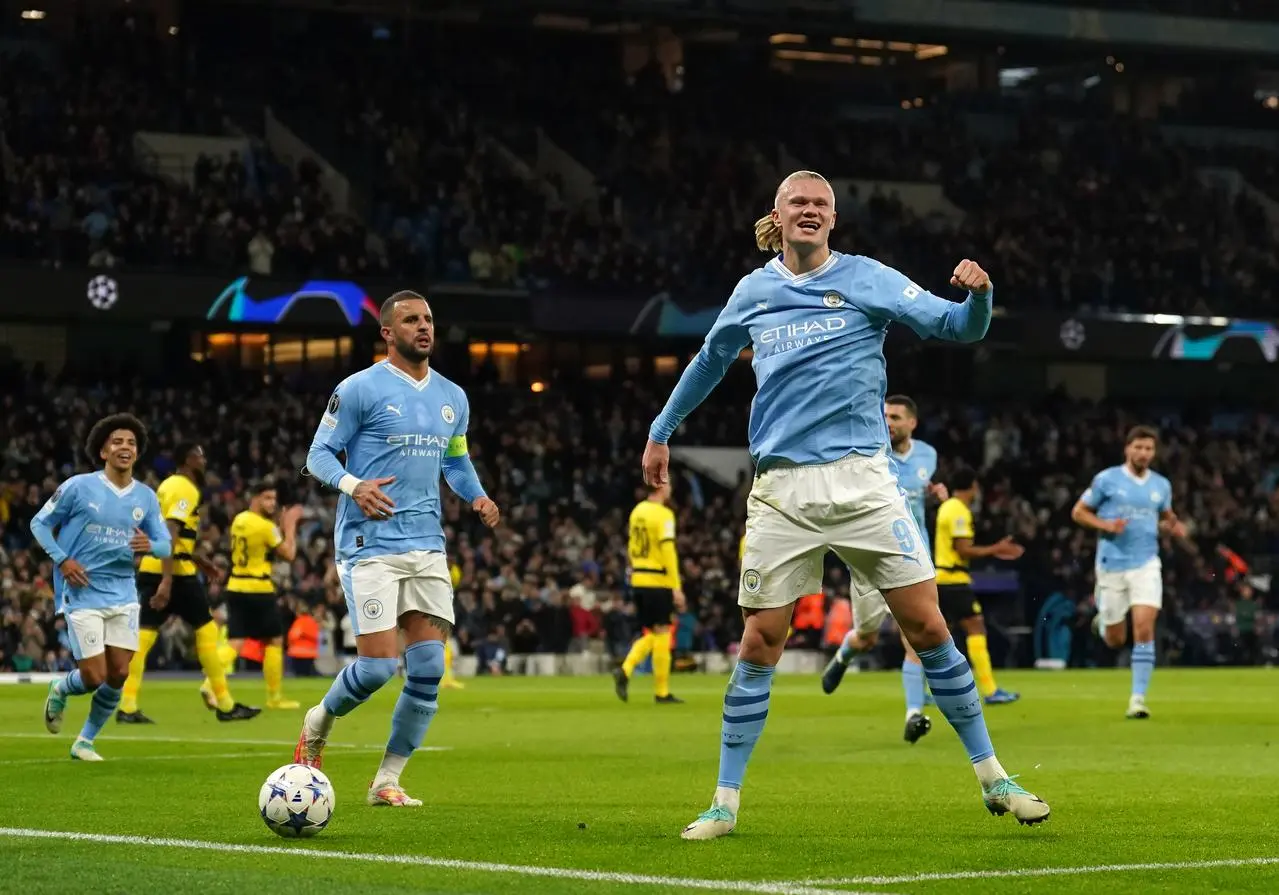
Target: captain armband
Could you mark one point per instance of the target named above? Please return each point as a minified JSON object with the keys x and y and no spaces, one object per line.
{"x":456,"y":447}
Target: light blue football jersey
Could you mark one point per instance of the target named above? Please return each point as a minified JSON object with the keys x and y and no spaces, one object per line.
{"x":1116,"y":493}
{"x":818,"y":341}
{"x":94,"y":521}
{"x":391,"y":425}
{"x":914,"y":470}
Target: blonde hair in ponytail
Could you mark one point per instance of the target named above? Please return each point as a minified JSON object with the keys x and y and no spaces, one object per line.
{"x":768,"y":234}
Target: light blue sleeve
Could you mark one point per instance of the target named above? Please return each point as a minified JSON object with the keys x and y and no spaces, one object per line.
{"x":1095,"y":494}
{"x":340,"y":422}
{"x":725,"y":341}
{"x":930,"y":465}
{"x":459,"y":471}
{"x":155,"y":528}
{"x":55,"y":512}
{"x":1166,"y":505}
{"x":889,"y":294}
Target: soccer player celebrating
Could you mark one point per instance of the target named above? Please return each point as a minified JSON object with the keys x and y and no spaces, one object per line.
{"x":1129,"y":505}
{"x":102,"y":520}
{"x":253,"y":610}
{"x":954,"y":550}
{"x":914,"y":463}
{"x":816,"y":320}
{"x":171,"y":586}
{"x":401,"y":424}
{"x":656,"y":586}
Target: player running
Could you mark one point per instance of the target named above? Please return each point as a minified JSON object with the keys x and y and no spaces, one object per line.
{"x":658,"y":594}
{"x":172,"y":586}
{"x":401,"y":424}
{"x":816,"y":321}
{"x":252,"y":606}
{"x":91,"y":528}
{"x":914,"y":464}
{"x":1129,"y":505}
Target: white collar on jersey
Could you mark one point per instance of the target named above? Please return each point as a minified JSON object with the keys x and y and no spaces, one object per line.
{"x":418,"y":384}
{"x":779,"y":267}
{"x":1139,"y":479}
{"x":119,"y":492}
{"x":906,"y":456}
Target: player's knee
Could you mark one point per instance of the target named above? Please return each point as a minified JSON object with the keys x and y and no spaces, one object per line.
{"x":94,"y":677}
{"x":378,"y":645}
{"x":764,"y":638}
{"x":924,"y":631}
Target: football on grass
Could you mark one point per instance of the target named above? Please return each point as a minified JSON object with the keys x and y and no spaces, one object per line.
{"x":296,"y":801}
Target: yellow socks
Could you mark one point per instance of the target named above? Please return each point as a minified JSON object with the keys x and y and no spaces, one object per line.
{"x":449,"y":680}
{"x":137,"y":665}
{"x":639,"y":652}
{"x":662,"y":663}
{"x":979,"y":659}
{"x":206,"y":648}
{"x":227,"y":656}
{"x":273,"y":671}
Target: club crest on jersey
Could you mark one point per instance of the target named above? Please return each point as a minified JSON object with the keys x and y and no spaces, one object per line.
{"x":372,"y":609}
{"x":1154,"y":497}
{"x":447,"y":414}
{"x":752,"y":581}
{"x":138,"y":514}
{"x":833,"y":300}
{"x":922,"y":473}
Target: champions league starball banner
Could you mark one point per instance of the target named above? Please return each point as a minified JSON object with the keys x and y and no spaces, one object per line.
{"x":328,"y":305}
{"x":111,"y":296}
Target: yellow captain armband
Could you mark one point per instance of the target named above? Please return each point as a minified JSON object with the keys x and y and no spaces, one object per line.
{"x":457,"y":447}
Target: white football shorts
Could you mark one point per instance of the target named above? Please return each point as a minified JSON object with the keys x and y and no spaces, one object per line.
{"x":380,"y":589}
{"x":1117,"y":592}
{"x":869,"y":608}
{"x":851,"y":506}
{"x":91,"y":631}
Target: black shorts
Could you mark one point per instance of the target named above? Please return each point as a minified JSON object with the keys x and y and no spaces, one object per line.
{"x":654,"y":606}
{"x":187,"y":599}
{"x":958,"y":602}
{"x":253,"y":616}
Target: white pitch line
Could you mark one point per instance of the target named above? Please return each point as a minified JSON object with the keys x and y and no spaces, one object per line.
{"x":594,"y":876}
{"x":132,"y":758}
{"x":30,"y":735}
{"x":1042,"y":871}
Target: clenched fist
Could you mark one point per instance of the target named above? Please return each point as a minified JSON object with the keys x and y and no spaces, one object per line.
{"x":969,"y":275}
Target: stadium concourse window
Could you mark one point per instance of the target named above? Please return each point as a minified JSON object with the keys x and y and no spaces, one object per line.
{"x":274,"y":351}
{"x":501,"y":360}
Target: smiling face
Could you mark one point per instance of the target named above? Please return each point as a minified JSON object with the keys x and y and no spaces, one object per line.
{"x":804,"y":209}
{"x":121,"y":450}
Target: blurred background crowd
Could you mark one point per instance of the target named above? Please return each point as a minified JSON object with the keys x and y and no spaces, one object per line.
{"x":542,"y":164}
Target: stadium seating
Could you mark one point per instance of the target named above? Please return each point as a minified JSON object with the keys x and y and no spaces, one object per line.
{"x":443,"y":152}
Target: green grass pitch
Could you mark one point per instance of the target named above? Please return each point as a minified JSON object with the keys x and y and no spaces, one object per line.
{"x":834,"y":800}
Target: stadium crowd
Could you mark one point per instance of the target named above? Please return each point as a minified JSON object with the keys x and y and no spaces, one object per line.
{"x":1106,"y":214}
{"x":563,"y":466}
